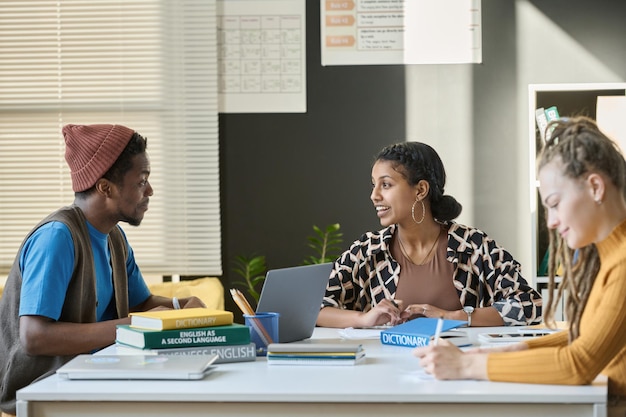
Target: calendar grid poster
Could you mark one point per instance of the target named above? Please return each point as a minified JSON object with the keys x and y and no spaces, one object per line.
{"x":261,"y":56}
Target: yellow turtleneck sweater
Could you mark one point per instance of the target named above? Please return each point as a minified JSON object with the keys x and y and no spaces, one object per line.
{"x":601,"y":346}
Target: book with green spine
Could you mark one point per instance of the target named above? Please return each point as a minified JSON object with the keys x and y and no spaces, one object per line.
{"x":232,"y":334}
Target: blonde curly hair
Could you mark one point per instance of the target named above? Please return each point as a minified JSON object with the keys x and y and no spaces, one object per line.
{"x":582,"y":148}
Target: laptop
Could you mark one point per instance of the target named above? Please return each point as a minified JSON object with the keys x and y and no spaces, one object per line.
{"x":295,"y":293}
{"x":177,"y":367}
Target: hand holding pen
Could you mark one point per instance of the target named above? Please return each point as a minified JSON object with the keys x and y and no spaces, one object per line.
{"x":387,"y":311}
{"x":396,"y":318}
{"x":444,"y":360}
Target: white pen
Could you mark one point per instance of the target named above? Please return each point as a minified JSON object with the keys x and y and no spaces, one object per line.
{"x":175,"y":303}
{"x":438,"y":330}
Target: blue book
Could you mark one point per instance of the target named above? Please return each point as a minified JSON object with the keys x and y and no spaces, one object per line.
{"x":418,"y":332}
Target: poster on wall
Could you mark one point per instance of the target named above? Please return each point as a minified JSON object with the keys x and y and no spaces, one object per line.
{"x":261,"y":56}
{"x":379,"y":32}
{"x":610,"y":115}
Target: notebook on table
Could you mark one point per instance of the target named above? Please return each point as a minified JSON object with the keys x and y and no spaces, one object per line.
{"x":187,"y":367}
{"x":295,"y":293}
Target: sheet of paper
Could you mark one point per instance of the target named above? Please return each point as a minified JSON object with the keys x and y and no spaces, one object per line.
{"x":261,"y":56}
{"x":351,"y":333}
{"x":374,"y":32}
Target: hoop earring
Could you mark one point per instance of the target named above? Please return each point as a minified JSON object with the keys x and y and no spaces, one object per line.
{"x":413,"y":211}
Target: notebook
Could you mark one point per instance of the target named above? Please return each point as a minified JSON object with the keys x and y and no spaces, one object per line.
{"x":295,"y":293}
{"x":87,"y":366}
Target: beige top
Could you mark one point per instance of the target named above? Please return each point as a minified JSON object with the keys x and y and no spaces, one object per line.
{"x":430,"y":283}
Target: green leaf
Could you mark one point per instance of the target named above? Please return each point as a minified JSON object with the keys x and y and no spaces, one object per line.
{"x":325,"y":243}
{"x":252,"y":269}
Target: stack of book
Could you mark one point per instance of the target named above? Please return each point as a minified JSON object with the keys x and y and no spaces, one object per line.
{"x":314,"y":354}
{"x":192,"y":331}
{"x":543,"y":117}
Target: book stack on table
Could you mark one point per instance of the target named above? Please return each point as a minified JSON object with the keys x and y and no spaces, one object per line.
{"x":314,"y":354}
{"x":192,"y":331}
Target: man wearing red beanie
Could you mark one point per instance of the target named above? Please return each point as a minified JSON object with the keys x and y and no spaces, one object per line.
{"x":75,"y":277}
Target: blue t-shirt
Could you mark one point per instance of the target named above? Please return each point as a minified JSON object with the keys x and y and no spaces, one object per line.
{"x":46,"y":263}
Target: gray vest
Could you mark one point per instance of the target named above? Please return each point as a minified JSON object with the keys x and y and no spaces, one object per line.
{"x":17,"y":369}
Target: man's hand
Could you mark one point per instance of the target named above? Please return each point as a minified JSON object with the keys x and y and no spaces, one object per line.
{"x":191,"y":302}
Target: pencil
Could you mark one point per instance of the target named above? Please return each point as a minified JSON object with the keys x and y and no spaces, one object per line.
{"x":246,"y":308}
{"x":241,"y":302}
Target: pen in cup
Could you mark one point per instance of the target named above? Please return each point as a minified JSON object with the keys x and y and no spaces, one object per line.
{"x":246,"y":308}
{"x":438,"y":330}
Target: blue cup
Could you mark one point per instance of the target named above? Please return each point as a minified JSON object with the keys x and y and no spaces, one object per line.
{"x":263,"y":330}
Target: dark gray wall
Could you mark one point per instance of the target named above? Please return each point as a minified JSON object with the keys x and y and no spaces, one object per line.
{"x":495,"y":113}
{"x":283,"y":173}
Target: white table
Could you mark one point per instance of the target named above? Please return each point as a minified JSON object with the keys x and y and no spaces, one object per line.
{"x":389,"y":383}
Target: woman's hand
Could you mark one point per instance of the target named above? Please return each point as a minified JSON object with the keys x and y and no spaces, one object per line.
{"x":446,"y":361}
{"x":385,"y":312}
{"x":425,"y":310}
{"x":483,"y":316}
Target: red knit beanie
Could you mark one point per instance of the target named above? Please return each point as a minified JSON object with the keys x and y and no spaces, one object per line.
{"x":90,"y":150}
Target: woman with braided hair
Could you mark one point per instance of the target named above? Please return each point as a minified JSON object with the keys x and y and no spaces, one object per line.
{"x":422,"y":263}
{"x":582,"y":177}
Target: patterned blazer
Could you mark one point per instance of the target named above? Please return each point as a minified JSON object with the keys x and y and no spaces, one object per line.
{"x":485,"y":275}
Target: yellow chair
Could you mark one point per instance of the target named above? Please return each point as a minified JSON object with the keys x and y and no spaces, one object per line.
{"x":209,"y":289}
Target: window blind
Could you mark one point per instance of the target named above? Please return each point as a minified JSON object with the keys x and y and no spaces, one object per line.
{"x":146,"y":64}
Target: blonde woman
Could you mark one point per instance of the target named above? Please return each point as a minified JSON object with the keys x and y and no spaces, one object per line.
{"x":582,"y":178}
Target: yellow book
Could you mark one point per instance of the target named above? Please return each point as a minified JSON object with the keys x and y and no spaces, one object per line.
{"x":180,"y":319}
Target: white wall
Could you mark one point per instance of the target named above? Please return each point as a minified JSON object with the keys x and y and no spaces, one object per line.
{"x":546,"y":54}
{"x":476,"y":116}
{"x":439,"y":113}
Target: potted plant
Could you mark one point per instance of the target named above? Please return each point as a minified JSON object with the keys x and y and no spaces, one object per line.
{"x":326,"y":243}
{"x":252,"y":271}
